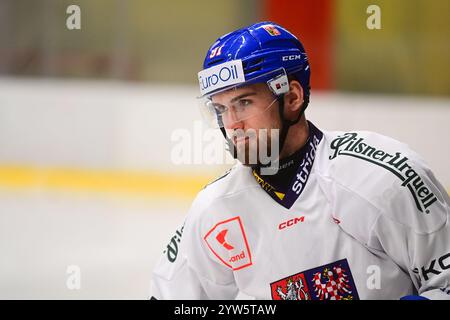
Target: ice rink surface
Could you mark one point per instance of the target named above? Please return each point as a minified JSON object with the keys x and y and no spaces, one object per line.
{"x":115,"y":241}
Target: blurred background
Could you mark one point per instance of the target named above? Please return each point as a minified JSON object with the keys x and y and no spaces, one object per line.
{"x":88,"y":117}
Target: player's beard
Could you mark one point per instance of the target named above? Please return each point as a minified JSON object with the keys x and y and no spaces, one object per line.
{"x":255,"y":147}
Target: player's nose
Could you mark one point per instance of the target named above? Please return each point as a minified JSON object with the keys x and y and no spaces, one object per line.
{"x":232,"y":120}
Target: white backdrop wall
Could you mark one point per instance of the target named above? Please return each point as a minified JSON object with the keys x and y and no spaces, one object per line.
{"x":113,"y":125}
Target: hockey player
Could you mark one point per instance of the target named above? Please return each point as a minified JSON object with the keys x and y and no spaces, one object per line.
{"x":345,"y":215}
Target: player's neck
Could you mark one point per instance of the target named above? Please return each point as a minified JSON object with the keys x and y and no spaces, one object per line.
{"x":296,"y":138}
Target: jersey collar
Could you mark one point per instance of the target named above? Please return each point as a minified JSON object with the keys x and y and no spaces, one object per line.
{"x":286,"y":186}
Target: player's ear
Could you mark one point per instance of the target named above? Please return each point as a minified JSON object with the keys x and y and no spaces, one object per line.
{"x":293,"y":100}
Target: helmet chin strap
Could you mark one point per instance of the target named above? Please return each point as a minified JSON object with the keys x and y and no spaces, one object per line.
{"x":231,"y":148}
{"x":285,"y":125}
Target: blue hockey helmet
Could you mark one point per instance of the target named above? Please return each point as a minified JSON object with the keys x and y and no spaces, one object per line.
{"x":257,"y":53}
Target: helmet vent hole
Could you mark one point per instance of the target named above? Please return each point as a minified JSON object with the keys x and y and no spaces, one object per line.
{"x":213,"y":62}
{"x":256,"y":62}
{"x":252,"y":70}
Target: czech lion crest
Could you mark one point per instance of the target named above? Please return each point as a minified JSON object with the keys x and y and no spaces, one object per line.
{"x":333,"y":281}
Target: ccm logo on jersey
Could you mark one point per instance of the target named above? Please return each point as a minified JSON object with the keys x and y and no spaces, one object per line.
{"x":228,"y":242}
{"x":290,"y":223}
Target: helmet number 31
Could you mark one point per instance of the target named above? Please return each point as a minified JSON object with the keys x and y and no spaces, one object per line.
{"x":216,"y":52}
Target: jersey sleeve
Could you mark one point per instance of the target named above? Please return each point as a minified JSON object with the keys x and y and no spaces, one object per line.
{"x":387,"y":198}
{"x":187,"y":271}
{"x":413,"y":228}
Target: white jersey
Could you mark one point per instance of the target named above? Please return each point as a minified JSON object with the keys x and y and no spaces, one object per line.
{"x":363,"y":218}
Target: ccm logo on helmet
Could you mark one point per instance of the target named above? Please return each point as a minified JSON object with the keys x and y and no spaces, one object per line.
{"x":290,"y":223}
{"x":291,"y":57}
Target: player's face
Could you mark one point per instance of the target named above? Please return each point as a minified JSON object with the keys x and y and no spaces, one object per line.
{"x":251,"y":120}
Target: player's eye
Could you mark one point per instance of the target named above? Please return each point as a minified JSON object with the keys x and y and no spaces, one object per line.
{"x":242,"y":103}
{"x":220,"y":108}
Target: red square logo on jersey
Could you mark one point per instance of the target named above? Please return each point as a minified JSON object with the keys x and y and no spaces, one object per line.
{"x":228,"y":242}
